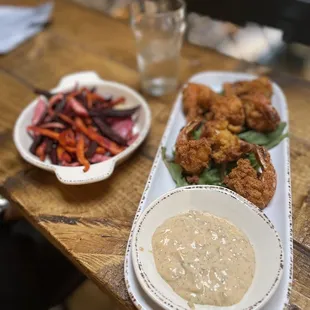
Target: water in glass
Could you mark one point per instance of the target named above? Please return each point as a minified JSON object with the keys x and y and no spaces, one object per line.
{"x":159,"y":39}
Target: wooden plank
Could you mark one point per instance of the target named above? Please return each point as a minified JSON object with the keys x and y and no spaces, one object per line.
{"x":302,"y":223}
{"x":44,"y":60}
{"x":301,"y":289}
{"x":14,"y":97}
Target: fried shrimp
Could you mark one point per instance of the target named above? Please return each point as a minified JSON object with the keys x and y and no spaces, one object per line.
{"x":260,"y":115}
{"x":261,"y":85}
{"x":257,"y":187}
{"x":192,"y":155}
{"x":196,"y":100}
{"x":226,"y":147}
{"x":228,"y":108}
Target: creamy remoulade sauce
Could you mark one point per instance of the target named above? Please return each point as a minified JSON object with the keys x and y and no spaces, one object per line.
{"x":204,"y":258}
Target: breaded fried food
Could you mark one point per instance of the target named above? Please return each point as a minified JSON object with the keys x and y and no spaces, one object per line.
{"x":261,"y":85}
{"x":226,"y":147}
{"x":260,"y":115}
{"x":257,"y":187}
{"x":196,"y":100}
{"x":228,"y":108}
{"x":192,"y":155}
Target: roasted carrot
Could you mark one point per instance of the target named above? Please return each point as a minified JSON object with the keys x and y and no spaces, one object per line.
{"x":81,"y":155}
{"x":96,"y":97}
{"x":91,"y":134}
{"x":59,"y":152}
{"x":66,"y":118}
{"x":69,"y":149}
{"x":81,"y":126}
{"x":76,"y":127}
{"x":62,"y":155}
{"x":41,"y":150}
{"x":67,"y":138}
{"x":44,"y":132}
{"x":100,"y":150}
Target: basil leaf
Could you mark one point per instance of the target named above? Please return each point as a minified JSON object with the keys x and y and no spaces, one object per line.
{"x":277,"y":133}
{"x":210,"y":176}
{"x":276,"y":141}
{"x":269,"y":140}
{"x":174,"y":169}
{"x":254,"y":137}
{"x":254,"y":163}
{"x":197,"y":133}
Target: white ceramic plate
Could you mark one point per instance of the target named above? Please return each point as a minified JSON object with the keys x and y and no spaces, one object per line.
{"x":225,"y":204}
{"x":99,"y":171}
{"x":279,"y":210}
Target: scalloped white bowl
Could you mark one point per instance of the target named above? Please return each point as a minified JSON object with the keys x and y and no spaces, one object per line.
{"x":223,"y":203}
{"x":99,"y":171}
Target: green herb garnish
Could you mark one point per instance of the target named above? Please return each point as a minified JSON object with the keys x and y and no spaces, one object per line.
{"x":269,"y":140}
{"x":254,"y":163}
{"x":197,"y":133}
{"x":174,"y":169}
{"x":211,"y":176}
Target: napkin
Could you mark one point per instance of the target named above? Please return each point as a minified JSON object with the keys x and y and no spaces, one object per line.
{"x":18,"y":24}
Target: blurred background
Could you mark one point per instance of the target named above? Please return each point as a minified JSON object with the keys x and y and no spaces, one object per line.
{"x":272,"y":33}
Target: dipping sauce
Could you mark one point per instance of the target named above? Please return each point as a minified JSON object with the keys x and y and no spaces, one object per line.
{"x":205,"y":259}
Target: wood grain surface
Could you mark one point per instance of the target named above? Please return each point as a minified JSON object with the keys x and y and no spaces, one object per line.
{"x":90,"y":224}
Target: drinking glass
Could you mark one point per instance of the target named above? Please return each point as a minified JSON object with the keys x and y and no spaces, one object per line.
{"x":158,"y":26}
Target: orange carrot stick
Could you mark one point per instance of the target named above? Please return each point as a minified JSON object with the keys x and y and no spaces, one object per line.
{"x":66,"y":118}
{"x":100,"y":150}
{"x":41,"y":150}
{"x":44,"y":132}
{"x":91,"y":134}
{"x":69,"y":149}
{"x":63,"y":155}
{"x":67,"y":138}
{"x":81,"y":126}
{"x":81,"y":155}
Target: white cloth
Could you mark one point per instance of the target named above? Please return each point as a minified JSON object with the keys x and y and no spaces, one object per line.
{"x":17,"y":24}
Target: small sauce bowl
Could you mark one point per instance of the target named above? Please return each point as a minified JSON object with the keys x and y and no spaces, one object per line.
{"x":223,"y":203}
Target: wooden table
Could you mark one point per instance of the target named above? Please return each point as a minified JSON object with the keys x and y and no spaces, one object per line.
{"x":90,"y":224}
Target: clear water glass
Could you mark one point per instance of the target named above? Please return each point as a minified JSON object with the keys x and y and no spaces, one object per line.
{"x":158,"y":27}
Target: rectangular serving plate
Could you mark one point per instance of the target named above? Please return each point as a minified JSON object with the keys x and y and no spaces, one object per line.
{"x":279,"y":210}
